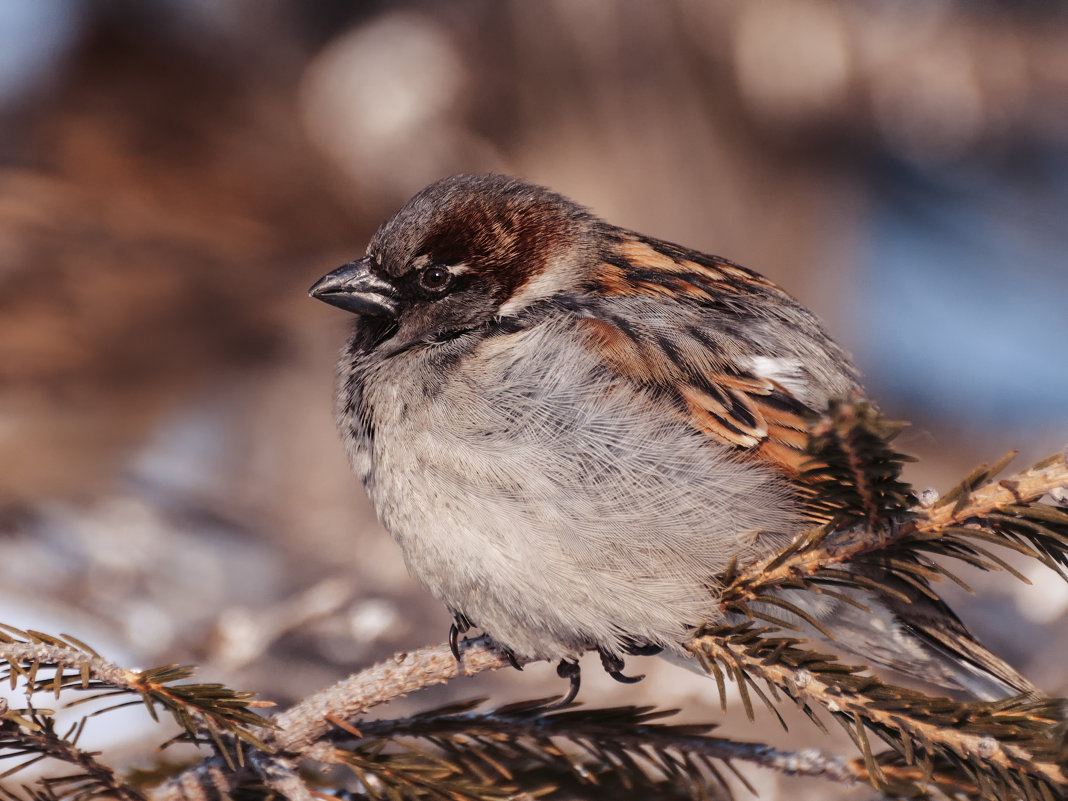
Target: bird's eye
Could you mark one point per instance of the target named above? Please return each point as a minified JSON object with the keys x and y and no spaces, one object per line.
{"x":434,"y":277}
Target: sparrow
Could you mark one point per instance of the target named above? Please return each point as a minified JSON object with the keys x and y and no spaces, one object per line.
{"x":572,"y":429}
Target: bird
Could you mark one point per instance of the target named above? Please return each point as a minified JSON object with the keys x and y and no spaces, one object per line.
{"x":572,"y":429}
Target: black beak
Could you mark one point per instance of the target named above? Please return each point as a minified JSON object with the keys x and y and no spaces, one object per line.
{"x":356,"y":289}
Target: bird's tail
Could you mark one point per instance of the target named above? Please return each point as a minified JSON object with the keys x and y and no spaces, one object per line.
{"x":921,"y":640}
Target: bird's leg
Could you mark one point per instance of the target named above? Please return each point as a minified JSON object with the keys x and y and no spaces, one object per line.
{"x":460,"y":625}
{"x":568,"y":670}
{"x":613,"y":666}
{"x":645,"y":649}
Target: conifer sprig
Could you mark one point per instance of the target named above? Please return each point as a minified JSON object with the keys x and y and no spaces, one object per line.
{"x":45,"y":663}
{"x":983,"y":749}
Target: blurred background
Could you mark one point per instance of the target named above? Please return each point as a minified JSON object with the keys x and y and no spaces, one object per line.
{"x":175,"y":174}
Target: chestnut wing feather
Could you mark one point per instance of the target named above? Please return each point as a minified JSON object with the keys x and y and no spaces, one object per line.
{"x":728,"y":385}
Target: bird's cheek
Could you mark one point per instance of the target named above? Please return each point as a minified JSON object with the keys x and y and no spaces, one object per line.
{"x":427,"y":321}
{"x":467,"y":309}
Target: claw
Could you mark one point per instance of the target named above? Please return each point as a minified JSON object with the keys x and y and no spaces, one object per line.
{"x":454,"y":641}
{"x":571,"y":671}
{"x":615,"y":674}
{"x":460,"y":625}
{"x":613,"y":665}
{"x":510,"y":656}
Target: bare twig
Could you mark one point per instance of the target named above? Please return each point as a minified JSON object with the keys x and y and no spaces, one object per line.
{"x":307,"y":722}
{"x":66,"y":658}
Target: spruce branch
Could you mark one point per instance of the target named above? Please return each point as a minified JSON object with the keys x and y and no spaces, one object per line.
{"x":205,"y":712}
{"x":485,"y":755}
{"x":535,"y":726}
{"x":997,"y":749}
{"x":964,"y":750}
{"x":27,"y":652}
{"x":875,"y":537}
{"x":32,"y":735}
{"x":301,"y":732}
{"x":977,"y":513}
{"x":853,"y":476}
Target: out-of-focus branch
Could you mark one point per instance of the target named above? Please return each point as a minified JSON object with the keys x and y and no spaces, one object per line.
{"x":94,"y":778}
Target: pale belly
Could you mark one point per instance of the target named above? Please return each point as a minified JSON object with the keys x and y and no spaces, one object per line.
{"x":558,"y":514}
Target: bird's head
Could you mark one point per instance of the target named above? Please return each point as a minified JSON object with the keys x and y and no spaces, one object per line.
{"x":462,"y":252}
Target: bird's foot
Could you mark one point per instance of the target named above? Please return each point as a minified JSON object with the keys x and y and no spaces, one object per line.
{"x":460,"y":626}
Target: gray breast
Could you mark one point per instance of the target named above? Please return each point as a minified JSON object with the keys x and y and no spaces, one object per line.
{"x":556,"y":506}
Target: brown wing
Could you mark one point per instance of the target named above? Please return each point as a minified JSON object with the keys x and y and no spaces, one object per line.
{"x":702,"y":365}
{"x":747,"y":411}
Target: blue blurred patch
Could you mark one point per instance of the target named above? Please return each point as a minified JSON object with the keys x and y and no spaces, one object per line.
{"x":34,"y":35}
{"x":963,"y":299}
